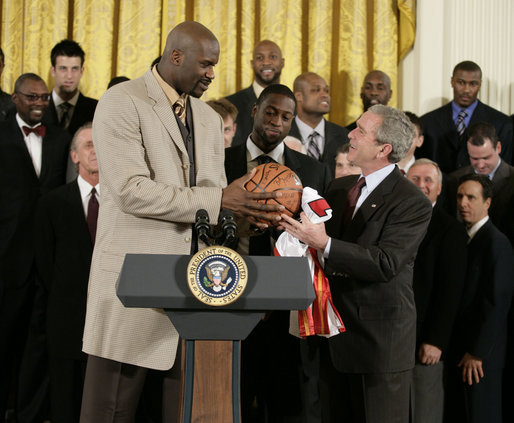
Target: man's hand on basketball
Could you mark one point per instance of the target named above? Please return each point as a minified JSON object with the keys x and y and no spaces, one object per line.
{"x":244,"y":203}
{"x":312,"y":234}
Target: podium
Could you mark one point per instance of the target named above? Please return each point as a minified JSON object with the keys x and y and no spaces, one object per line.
{"x":210,"y":362}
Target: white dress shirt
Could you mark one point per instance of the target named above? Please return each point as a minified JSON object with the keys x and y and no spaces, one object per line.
{"x":305,"y":131}
{"x":34,"y":144}
{"x":476,"y":227}
{"x":85,"y":192}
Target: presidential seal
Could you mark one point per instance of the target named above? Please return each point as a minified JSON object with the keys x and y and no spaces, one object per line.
{"x":217,"y":275}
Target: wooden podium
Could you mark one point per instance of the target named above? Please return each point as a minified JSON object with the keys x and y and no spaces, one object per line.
{"x":212,"y":335}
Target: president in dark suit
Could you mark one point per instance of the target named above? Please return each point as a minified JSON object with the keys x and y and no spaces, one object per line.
{"x":320,"y":137}
{"x":478,"y":347}
{"x":65,"y":231}
{"x":270,"y":356}
{"x":439,"y":274}
{"x":379,"y":219}
{"x":267,"y":63}
{"x":446,"y":127}
{"x":34,"y":163}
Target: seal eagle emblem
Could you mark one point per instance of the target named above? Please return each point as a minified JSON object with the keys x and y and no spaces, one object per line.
{"x":217,"y":275}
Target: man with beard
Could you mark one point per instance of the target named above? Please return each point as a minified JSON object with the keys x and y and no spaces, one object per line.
{"x":376,"y":89}
{"x":320,"y":138}
{"x":160,"y":159}
{"x":447,"y":128}
{"x":267,"y":64}
{"x":34,"y":163}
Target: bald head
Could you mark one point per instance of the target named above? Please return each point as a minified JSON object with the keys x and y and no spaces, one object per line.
{"x":376,"y":89}
{"x":189,"y":57}
{"x":267,"y":63}
{"x":312,"y":97}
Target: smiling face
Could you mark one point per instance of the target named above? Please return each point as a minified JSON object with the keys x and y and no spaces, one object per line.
{"x":484,"y":158}
{"x":271,"y":121}
{"x":376,"y":89}
{"x":314,"y":97}
{"x":425,"y":176}
{"x":197,"y":67}
{"x":364,"y":151}
{"x":267,"y":63}
{"x":471,"y":204}
{"x":465,"y":86}
{"x":29,"y":110}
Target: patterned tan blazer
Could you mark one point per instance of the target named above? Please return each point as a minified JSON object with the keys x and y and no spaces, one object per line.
{"x":146,"y":206}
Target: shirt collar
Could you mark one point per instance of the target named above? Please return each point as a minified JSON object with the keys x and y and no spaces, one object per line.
{"x":305,"y":130}
{"x":22,"y":123}
{"x":170,"y":92}
{"x":374,"y":179}
{"x":469,"y":110}
{"x":85,"y":187}
{"x":58,"y":100}
{"x":476,"y":227}
{"x":252,"y":152}
{"x":257,"y":89}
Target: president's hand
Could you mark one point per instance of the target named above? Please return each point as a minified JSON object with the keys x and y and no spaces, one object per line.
{"x":429,"y":354}
{"x":244,"y":203}
{"x":312,"y":234}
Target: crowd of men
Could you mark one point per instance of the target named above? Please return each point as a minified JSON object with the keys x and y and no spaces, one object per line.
{"x":418,"y":252}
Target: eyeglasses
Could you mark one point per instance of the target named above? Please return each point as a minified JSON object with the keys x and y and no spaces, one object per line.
{"x":34,"y":97}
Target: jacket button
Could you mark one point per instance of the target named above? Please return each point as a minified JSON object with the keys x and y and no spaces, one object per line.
{"x":187,"y":239}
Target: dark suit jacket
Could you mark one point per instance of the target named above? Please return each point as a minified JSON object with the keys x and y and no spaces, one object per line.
{"x":481,"y":325}
{"x":84,"y":112}
{"x":63,"y":257}
{"x":6,"y":106}
{"x":20,"y":188}
{"x":335,"y":137}
{"x":311,"y":172}
{"x":501,"y":209}
{"x":244,"y":101}
{"x":442,"y":143}
{"x":370,"y":272}
{"x":439,"y":275}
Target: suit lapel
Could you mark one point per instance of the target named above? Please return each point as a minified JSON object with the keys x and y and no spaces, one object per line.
{"x":453,"y":137}
{"x":76,"y":213}
{"x":163,"y":110}
{"x":19,"y":140}
{"x":236,"y":165}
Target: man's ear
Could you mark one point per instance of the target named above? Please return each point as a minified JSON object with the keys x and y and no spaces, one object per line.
{"x":254,"y":109}
{"x":177,"y":57}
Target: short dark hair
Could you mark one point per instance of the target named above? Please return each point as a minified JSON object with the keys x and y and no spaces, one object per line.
{"x":467,"y":66}
{"x":117,"y":80}
{"x":24,"y":77}
{"x":487,"y":184}
{"x":2,"y":55}
{"x":343,"y":149}
{"x":276,"y":89}
{"x":67,"y":48}
{"x":224,"y":108}
{"x":480,"y":131}
{"x":416,"y":121}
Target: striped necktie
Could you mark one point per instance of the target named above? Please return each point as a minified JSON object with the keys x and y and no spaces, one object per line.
{"x":461,"y":127}
{"x":313,"y":147}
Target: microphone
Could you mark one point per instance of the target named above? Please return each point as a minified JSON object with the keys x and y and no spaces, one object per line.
{"x":228,"y":226}
{"x":202,"y":226}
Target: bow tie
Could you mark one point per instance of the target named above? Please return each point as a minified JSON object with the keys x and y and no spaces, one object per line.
{"x":38,"y":130}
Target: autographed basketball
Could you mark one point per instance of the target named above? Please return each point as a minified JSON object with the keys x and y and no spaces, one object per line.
{"x":274,"y":177}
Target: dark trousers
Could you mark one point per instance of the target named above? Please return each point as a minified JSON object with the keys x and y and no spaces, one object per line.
{"x":364,"y":398}
{"x":112,"y":391}
{"x":427,"y":393}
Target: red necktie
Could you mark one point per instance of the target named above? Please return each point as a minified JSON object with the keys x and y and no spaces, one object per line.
{"x":351,"y":201}
{"x":92,"y":215}
{"x":38,"y":130}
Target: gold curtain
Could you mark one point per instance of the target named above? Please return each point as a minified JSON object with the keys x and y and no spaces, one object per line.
{"x":339,"y":39}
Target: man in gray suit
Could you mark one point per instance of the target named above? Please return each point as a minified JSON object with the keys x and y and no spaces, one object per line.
{"x":160,"y":156}
{"x":370,"y":243}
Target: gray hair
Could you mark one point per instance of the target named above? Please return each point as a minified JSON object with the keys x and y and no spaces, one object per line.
{"x":396,"y":129}
{"x":73,"y":144}
{"x":430,"y":162}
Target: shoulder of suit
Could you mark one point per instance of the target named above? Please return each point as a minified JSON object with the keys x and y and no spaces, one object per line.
{"x":336,"y":128}
{"x":456,"y":174}
{"x":437,"y":113}
{"x":491,"y":112}
{"x":87,"y":100}
{"x":241,"y":96}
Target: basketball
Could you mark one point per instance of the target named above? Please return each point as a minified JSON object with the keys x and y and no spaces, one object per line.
{"x":274,"y":177}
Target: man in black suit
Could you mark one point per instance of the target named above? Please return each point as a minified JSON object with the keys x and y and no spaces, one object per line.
{"x":370,"y":245}
{"x":320,"y":138}
{"x":484,"y":150}
{"x":34,"y":163}
{"x":68,"y":108}
{"x":64,"y":239}
{"x":446,"y":127}
{"x":6,"y":104}
{"x":376,"y":89}
{"x":270,"y":356}
{"x":267,"y":64}
{"x":439,"y":272}
{"x":479,"y":340}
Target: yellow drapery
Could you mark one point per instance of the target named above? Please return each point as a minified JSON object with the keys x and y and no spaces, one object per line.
{"x":339,"y":39}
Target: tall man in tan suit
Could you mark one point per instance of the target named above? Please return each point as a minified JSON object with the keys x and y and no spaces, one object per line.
{"x":160,"y":155}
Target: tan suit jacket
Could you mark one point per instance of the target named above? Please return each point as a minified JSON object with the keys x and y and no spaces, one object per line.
{"x":146,"y":207}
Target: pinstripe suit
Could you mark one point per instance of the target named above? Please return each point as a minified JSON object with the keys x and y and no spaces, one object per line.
{"x":147,"y":207}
